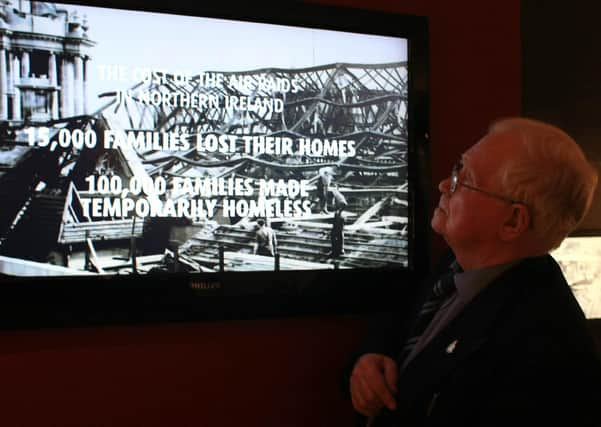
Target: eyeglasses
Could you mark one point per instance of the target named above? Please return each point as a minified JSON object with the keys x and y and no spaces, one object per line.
{"x":455,"y":182}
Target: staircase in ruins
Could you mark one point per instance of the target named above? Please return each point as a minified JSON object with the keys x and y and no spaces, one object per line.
{"x":303,"y":241}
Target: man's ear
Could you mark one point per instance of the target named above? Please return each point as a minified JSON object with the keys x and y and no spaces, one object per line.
{"x":517,"y":222}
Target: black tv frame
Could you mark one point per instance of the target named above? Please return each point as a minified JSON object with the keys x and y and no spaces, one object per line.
{"x":78,"y":301}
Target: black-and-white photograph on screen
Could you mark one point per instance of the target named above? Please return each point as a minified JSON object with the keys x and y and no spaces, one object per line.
{"x":137,"y":142}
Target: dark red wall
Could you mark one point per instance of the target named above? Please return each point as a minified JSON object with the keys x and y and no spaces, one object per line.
{"x":261,"y":372}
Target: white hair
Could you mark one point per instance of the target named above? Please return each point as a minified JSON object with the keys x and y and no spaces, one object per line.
{"x":551,"y":176}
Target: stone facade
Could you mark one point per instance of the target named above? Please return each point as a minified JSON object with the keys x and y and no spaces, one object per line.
{"x":43,"y":62}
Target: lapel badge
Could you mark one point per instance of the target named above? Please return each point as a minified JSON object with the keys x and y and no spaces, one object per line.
{"x":451,"y":347}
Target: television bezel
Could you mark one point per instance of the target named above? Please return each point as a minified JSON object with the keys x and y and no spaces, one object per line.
{"x":72,"y":301}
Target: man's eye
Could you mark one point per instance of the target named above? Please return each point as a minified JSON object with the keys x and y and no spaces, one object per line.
{"x":465,"y":175}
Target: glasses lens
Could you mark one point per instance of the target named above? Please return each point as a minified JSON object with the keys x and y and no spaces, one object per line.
{"x":455,"y":177}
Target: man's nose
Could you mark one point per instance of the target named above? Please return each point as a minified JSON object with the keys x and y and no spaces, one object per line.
{"x":444,"y":186}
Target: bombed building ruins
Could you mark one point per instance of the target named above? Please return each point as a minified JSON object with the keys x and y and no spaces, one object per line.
{"x":58,"y":162}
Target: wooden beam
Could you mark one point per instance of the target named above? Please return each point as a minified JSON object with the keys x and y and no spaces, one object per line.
{"x":235,"y":261}
{"x":93,"y":257}
{"x":368,"y":214}
{"x":21,"y":267}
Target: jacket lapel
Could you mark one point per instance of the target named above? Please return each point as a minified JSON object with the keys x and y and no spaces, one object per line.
{"x":459,"y":339}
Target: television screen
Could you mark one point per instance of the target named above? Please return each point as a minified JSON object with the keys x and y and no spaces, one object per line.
{"x":222,"y":151}
{"x":578,"y":257}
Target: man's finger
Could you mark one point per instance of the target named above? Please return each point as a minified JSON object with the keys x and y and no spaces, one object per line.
{"x":377,"y":384}
{"x":364,"y":399}
{"x":391,"y":374}
{"x":373,"y":383}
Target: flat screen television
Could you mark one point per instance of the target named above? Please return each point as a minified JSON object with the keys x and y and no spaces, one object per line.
{"x":204,"y":162}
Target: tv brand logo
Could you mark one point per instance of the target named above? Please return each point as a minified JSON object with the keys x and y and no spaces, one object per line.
{"x":205,"y":286}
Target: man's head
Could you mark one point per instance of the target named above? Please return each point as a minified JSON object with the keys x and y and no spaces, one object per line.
{"x":260,"y":222}
{"x":517,"y":192}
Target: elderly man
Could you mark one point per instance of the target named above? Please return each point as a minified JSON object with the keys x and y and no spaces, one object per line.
{"x":497,"y":338}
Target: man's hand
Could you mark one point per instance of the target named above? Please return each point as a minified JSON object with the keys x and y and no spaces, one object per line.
{"x":373,"y":384}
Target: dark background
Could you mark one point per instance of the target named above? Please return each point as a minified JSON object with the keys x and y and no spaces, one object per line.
{"x":561,"y":75}
{"x":262,"y":372}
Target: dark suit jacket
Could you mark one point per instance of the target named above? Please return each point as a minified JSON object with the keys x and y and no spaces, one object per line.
{"x":519,"y":354}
